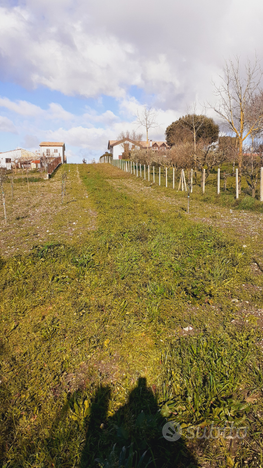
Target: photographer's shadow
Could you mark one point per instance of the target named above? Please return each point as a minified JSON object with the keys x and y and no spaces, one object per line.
{"x":132,"y":437}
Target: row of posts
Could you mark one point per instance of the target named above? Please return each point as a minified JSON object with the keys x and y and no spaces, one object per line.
{"x":145,"y":171}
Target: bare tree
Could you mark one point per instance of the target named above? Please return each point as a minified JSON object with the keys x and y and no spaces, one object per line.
{"x":147,"y":119}
{"x":180,"y":155}
{"x":251,"y":165}
{"x":238,"y":104}
{"x":209,"y":157}
{"x":137,"y":137}
{"x":142,"y":156}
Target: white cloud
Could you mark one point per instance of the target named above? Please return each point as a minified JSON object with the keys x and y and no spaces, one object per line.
{"x":82,"y":137}
{"x":30,"y":142}
{"x":169,"y":49}
{"x":27,"y":109}
{"x":57,"y":112}
{"x":6,"y":125}
{"x":21,"y":107}
{"x":109,"y":46}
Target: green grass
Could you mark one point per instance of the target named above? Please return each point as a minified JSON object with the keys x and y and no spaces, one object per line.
{"x":94,"y":355}
{"x":226,"y":198}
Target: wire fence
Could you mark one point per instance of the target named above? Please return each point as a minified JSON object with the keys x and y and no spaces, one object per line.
{"x":187,"y":180}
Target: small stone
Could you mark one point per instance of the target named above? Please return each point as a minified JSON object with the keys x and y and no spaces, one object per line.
{"x":234,"y":300}
{"x":188,"y":328}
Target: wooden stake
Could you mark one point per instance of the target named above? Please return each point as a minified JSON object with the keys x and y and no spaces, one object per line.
{"x":27,"y":179}
{"x":3,"y":200}
{"x":144,"y":172}
{"x":237,"y":194}
{"x":180,"y":180}
{"x":203,"y":182}
{"x":149,"y":173}
{"x":218,"y":181}
{"x":261,"y":184}
{"x":184,"y":182}
{"x":12,"y":187}
{"x":191,"y":180}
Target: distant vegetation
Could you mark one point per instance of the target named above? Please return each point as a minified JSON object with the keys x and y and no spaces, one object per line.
{"x":190,"y":128}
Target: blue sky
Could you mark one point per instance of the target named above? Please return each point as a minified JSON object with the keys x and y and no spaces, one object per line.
{"x":80,"y":71}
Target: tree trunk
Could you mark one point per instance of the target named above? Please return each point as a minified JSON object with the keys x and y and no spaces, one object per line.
{"x":195,"y":149}
{"x":240,"y":157}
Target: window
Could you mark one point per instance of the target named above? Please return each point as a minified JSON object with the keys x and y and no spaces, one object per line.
{"x":48,"y":152}
{"x":8,"y":160}
{"x":55,"y":151}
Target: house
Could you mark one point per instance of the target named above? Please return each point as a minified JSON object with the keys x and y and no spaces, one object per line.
{"x":36,"y":164}
{"x":51,"y":149}
{"x":14,"y":157}
{"x":119,"y":147}
{"x":159,"y":146}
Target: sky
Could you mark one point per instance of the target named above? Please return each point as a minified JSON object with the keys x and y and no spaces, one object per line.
{"x":80,"y":71}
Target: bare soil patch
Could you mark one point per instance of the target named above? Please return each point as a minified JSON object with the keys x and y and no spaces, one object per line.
{"x":39,"y":216}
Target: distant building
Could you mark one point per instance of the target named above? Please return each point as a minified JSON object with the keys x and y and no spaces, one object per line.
{"x":118,"y":148}
{"x":51,"y":149}
{"x":36,"y":164}
{"x":14,"y":157}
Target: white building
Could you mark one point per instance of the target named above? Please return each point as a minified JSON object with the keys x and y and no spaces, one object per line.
{"x":118,"y":147}
{"x":52,"y":149}
{"x":7,"y":158}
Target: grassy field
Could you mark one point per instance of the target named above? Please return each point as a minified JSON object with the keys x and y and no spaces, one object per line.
{"x":227,"y":197}
{"x":119,"y":312}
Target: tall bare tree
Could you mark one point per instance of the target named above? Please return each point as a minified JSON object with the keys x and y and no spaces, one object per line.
{"x":238,"y":103}
{"x":130,"y":135}
{"x":147,"y":119}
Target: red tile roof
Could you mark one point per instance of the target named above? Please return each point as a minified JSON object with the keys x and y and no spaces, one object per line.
{"x":143,"y":144}
{"x":51,"y":143}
